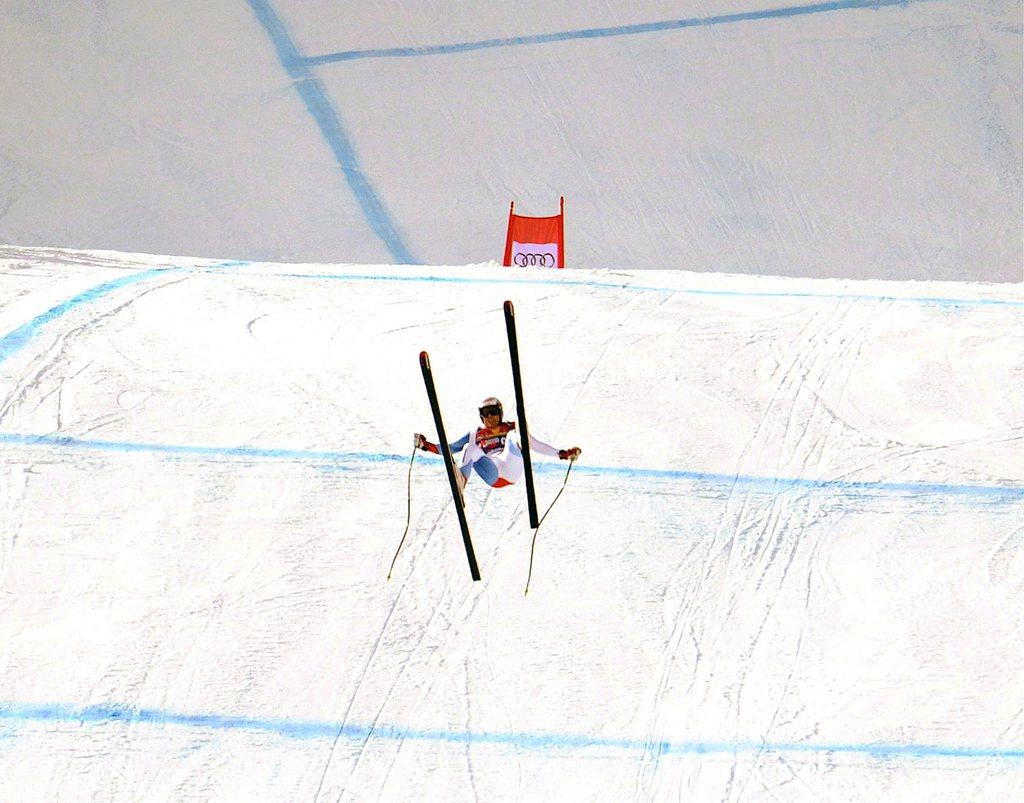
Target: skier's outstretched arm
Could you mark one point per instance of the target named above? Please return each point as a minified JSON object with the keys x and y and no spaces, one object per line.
{"x":422,"y":443}
{"x":563,"y":454}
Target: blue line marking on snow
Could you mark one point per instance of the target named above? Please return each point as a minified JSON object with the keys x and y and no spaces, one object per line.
{"x":645,"y":288}
{"x":781,"y":484}
{"x":319,"y":106}
{"x":315,"y":729}
{"x":933,"y":300}
{"x":15,"y":340}
{"x":336,"y":459}
{"x":600,"y":33}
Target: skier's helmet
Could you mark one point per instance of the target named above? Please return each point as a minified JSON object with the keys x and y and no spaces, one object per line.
{"x":490,"y":406}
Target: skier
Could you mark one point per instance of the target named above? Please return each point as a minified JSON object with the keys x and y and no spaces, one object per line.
{"x":490,"y":451}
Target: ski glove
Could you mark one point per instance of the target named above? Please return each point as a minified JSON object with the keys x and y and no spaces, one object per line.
{"x":569,"y":454}
{"x":422,"y":443}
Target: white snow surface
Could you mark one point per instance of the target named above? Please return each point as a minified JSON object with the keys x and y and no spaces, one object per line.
{"x":788,"y":566}
{"x":856,"y":138}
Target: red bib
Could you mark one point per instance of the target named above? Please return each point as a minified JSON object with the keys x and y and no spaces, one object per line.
{"x":493,"y":440}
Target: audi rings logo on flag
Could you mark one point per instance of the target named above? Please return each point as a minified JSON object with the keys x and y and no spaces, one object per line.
{"x":535,"y":255}
{"x":524,"y":259}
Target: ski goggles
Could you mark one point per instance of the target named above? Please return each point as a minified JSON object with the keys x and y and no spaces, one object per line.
{"x":491,"y":409}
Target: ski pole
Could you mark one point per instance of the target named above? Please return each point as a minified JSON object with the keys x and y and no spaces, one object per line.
{"x":408,"y":512}
{"x":534,"y":542}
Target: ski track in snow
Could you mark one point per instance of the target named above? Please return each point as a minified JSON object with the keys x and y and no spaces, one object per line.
{"x":683,"y":635}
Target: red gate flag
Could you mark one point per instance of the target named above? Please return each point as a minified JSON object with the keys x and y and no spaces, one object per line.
{"x":538,"y":241}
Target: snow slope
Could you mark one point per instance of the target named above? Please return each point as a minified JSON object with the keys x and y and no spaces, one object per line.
{"x":790,"y":564}
{"x":856,"y":138}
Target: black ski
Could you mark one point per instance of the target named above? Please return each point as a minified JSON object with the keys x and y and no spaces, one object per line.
{"x":524,"y":437}
{"x":449,"y":463}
